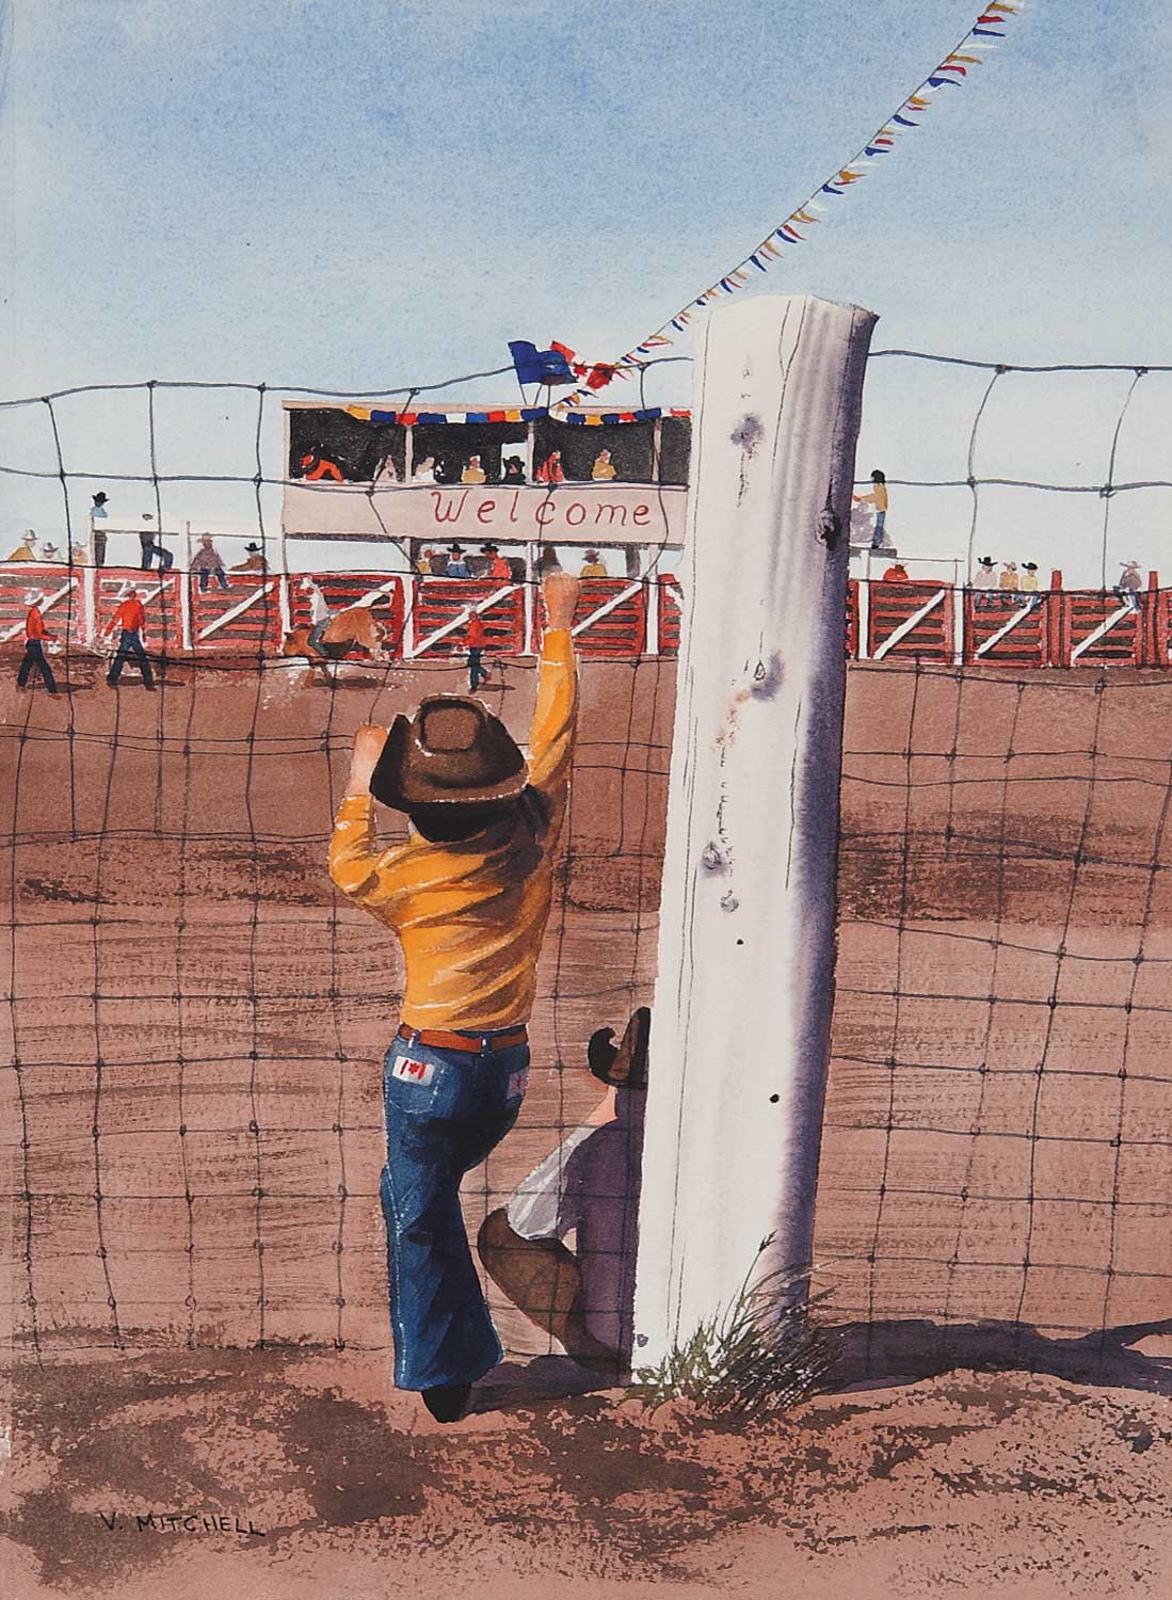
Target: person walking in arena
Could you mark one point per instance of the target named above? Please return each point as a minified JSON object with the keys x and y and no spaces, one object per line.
{"x":130,"y":619}
{"x":476,"y":641}
{"x":468,"y":896}
{"x":35,"y":635}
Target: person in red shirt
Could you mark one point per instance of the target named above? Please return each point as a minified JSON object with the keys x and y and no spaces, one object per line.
{"x":315,"y":467}
{"x":498,"y":568}
{"x":35,"y":634}
{"x":476,"y":639}
{"x":130,"y":618}
{"x":550,"y":470}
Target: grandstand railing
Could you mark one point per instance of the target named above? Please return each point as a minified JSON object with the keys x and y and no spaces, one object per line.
{"x":617,"y":618}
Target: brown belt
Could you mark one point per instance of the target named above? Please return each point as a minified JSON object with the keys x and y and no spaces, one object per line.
{"x":470,"y":1044}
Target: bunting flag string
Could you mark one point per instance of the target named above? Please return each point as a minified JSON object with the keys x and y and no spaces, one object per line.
{"x":951,"y":73}
{"x":411,"y":419}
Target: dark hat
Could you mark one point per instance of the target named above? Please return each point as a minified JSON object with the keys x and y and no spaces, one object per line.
{"x":456,"y":549}
{"x":253,"y":549}
{"x":625,"y":1064}
{"x":489,"y":550}
{"x":985,"y":561}
{"x":1030,"y":566}
{"x":454,"y":751}
{"x":100,"y":498}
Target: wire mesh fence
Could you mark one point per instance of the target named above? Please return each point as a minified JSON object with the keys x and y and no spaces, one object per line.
{"x":996,"y":1140}
{"x":192,"y":1119}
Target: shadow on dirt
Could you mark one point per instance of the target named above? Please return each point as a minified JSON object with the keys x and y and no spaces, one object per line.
{"x":880,"y":1354}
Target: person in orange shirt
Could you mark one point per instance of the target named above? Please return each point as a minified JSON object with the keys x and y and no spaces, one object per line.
{"x":498,"y":568}
{"x":468,"y":897}
{"x":130,"y":619}
{"x":476,"y":640}
{"x":35,"y":634}
{"x":315,"y":468}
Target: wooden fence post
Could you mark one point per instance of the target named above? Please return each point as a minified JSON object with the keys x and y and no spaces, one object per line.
{"x":740,"y":1032}
{"x":1057,"y":624}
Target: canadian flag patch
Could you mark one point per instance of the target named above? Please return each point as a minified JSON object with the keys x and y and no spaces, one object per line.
{"x":517,"y":1082}
{"x":410,"y":1071}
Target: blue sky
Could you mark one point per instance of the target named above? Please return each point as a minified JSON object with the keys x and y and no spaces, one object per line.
{"x":377,"y":192}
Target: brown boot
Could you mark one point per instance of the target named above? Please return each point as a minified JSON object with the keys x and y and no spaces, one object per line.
{"x":541,"y":1278}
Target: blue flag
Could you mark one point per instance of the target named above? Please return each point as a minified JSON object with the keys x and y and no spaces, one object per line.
{"x":539,"y":366}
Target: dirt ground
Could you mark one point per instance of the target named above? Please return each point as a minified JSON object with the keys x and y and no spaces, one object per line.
{"x":190,"y":1144}
{"x":329,"y":1482}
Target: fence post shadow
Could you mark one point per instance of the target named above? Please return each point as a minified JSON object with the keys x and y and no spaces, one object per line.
{"x":883,"y":1354}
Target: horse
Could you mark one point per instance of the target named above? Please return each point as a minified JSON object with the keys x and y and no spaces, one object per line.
{"x":345,"y":631}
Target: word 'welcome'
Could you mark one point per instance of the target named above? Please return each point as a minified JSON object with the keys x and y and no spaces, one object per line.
{"x":452,"y":507}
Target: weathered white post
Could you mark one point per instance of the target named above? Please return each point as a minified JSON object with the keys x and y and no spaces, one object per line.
{"x":740,"y":1032}
{"x":185,"y":593}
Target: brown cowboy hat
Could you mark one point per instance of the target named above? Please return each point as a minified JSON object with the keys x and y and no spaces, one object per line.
{"x":452,"y":751}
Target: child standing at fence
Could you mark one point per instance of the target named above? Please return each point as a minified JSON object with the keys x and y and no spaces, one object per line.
{"x":468,"y":896}
{"x":878,"y":499}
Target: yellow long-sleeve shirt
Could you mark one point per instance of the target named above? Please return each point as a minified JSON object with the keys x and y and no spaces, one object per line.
{"x":471,"y":915}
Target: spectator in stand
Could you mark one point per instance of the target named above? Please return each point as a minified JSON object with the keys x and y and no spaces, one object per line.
{"x":877,"y":498}
{"x":1130,"y":583}
{"x":425,"y":471}
{"x":151,"y":547}
{"x":208,"y":563}
{"x":984,"y":583}
{"x":457,"y":567}
{"x":423,"y":562}
{"x":896,"y":574}
{"x":80,"y":556}
{"x":35,"y":635}
{"x":514,"y":470}
{"x":387,"y":473}
{"x":254,"y":560}
{"x":1008,"y":581}
{"x":1028,"y":582}
{"x":27,"y":549}
{"x":593,"y":566}
{"x":550,"y":470}
{"x":98,"y":513}
{"x":476,"y":640}
{"x":473,"y":472}
{"x":319,"y":614}
{"x":498,"y":568}
{"x":50,"y":552}
{"x":316,"y":467}
{"x":603,"y":468}
{"x":130,"y":619}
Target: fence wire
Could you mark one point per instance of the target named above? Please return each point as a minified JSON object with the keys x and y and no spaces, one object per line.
{"x":192,"y":1114}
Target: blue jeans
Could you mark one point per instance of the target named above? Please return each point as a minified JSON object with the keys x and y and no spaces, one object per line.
{"x":150,"y":549}
{"x":130,"y":645}
{"x":445,"y":1110}
{"x":877,"y":531}
{"x":34,"y":658}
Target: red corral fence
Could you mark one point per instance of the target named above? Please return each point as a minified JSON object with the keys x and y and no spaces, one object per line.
{"x":617,"y":618}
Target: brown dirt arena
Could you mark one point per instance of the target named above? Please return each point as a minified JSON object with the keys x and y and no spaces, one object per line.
{"x":198,"y":1027}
